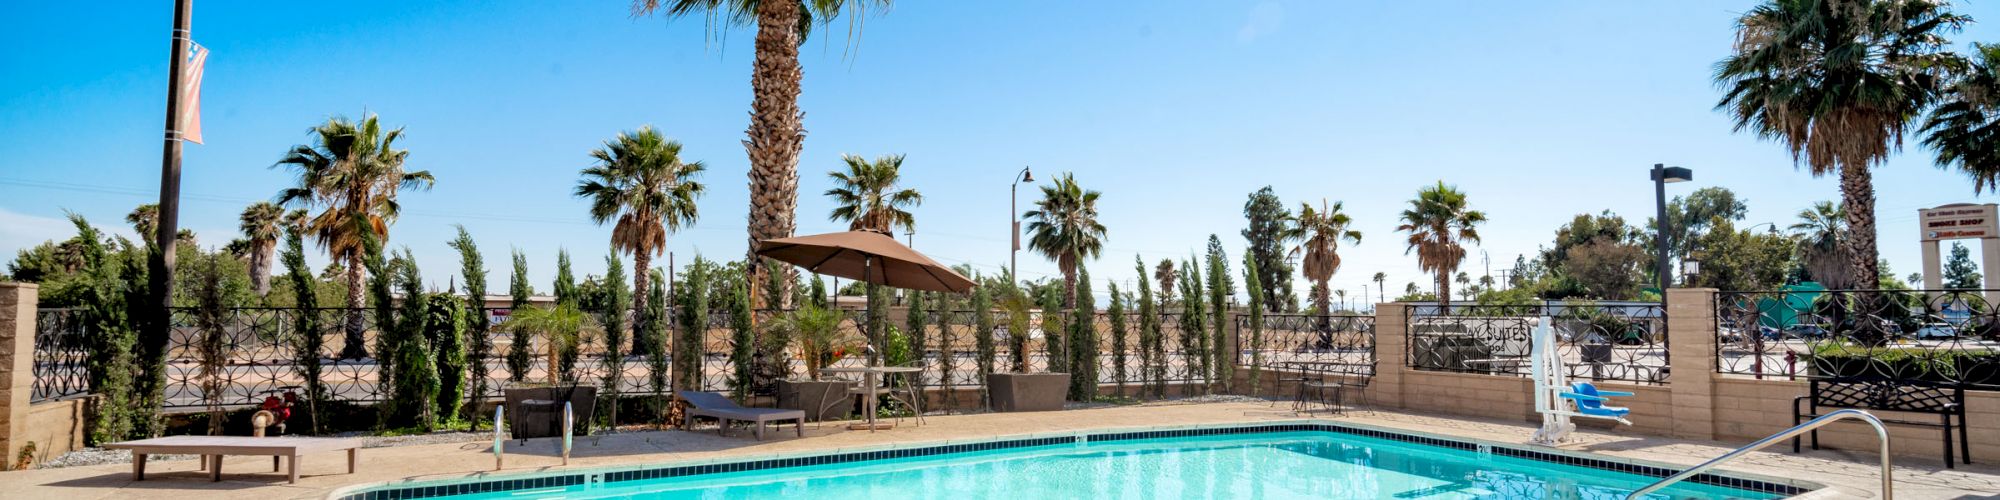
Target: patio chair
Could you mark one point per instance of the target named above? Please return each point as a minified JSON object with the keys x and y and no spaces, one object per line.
{"x":1590,"y":401}
{"x":720,"y":408}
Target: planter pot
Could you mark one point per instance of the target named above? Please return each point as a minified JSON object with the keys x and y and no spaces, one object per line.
{"x":1027,"y":391}
{"x":534,"y":412}
{"x":820,"y":399}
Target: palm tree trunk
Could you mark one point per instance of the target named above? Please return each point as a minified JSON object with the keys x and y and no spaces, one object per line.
{"x":1444,"y":292}
{"x":1857,"y":196}
{"x":351,"y":346}
{"x":642,"y":262}
{"x":775,"y":132}
{"x":260,"y":268}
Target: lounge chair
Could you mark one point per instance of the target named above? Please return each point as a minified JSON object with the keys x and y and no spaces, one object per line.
{"x":724,"y":411}
{"x":1590,"y":401}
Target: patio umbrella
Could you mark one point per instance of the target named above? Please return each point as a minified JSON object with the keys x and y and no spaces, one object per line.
{"x":866,"y":256}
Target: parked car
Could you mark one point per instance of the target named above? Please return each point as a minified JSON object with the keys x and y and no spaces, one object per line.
{"x":1933,"y":330}
{"x":1804,"y":331}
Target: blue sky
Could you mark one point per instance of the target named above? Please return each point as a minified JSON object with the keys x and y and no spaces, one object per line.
{"x":1176,"y":110}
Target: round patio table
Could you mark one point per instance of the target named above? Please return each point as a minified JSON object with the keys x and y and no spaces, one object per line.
{"x":869,"y":387}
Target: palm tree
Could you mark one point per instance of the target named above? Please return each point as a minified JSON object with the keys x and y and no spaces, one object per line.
{"x":1342,"y":293}
{"x":1064,"y":228}
{"x":1821,"y":231}
{"x":867,"y":197}
{"x":351,"y":173}
{"x":776,"y":133}
{"x":1962,"y":130}
{"x":640,"y":181}
{"x":1464,"y":285}
{"x":260,"y":224}
{"x":1382,"y":293}
{"x":1319,"y":233}
{"x":145,"y":219}
{"x":563,"y":326}
{"x":1438,"y":223}
{"x":1838,"y":81}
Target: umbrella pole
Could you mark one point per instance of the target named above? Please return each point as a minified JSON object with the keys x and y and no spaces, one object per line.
{"x":868,"y":307}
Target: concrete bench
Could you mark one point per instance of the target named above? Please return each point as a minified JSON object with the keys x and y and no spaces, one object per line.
{"x":213,"y":448}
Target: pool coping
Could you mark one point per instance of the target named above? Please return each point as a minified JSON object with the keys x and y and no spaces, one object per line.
{"x":520,"y":481}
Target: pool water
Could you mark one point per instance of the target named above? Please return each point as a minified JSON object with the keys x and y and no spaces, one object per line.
{"x":1316,"y":465}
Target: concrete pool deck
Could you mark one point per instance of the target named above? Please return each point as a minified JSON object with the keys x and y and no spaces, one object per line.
{"x":248,"y":477}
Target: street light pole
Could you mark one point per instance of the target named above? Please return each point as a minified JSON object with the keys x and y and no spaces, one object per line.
{"x":160,"y":283}
{"x":1014,"y":214}
{"x":1662,"y":175}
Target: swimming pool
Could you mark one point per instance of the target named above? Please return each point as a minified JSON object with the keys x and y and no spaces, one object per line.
{"x":1271,"y":462}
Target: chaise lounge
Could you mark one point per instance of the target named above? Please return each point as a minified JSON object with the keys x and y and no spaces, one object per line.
{"x":724,"y":411}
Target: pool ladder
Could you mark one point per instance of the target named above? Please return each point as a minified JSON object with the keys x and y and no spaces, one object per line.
{"x":1881,"y":433}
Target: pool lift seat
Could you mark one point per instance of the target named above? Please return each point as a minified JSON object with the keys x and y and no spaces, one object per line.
{"x":1556,"y":398}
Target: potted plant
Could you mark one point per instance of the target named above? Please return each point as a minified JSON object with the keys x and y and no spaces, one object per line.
{"x":536,"y":408}
{"x":1022,"y":389}
{"x":821,"y":343}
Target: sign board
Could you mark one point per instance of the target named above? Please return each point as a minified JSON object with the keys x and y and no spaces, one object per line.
{"x":1960,"y":220}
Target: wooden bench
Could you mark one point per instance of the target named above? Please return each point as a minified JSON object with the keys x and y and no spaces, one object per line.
{"x":1884,"y":394}
{"x":213,"y":448}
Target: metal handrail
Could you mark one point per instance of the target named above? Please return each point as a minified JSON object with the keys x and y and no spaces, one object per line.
{"x":1882,"y":433}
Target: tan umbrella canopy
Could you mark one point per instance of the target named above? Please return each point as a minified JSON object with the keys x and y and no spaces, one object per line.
{"x":866,"y":256}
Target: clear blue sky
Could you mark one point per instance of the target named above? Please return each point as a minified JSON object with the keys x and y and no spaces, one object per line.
{"x":1175,"y":109}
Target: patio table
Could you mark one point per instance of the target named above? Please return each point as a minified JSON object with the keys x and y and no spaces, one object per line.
{"x":870,"y":388}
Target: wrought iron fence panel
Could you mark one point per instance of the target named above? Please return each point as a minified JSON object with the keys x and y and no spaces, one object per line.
{"x":1291,"y":341}
{"x":259,"y":356}
{"x":1947,"y":337}
{"x":1598,"y":341}
{"x":61,"y":356}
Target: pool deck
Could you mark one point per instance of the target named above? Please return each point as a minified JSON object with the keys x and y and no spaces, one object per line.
{"x":249,"y":477}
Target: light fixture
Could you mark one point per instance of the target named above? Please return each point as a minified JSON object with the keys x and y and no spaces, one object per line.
{"x":1673,"y":174}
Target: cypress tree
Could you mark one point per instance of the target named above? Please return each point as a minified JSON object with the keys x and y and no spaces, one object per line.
{"x":473,"y":268}
{"x":519,"y":359}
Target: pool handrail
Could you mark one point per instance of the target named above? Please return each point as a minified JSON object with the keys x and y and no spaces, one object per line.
{"x":1881,"y":433}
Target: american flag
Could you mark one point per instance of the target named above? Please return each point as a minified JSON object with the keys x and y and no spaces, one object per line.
{"x":190,"y":125}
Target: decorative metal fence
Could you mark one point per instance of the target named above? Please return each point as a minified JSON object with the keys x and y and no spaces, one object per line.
{"x":264,"y":350}
{"x":1302,"y":342}
{"x":1948,"y":337}
{"x":1598,"y":341}
{"x":1127,"y":357}
{"x":60,"y":353}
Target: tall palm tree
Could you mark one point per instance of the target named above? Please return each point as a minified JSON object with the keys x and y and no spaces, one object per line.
{"x":261,"y":224}
{"x":1342,"y":293}
{"x":1838,"y":81}
{"x":1821,"y":232}
{"x":1063,"y":227}
{"x":1380,"y":292}
{"x":351,"y":174}
{"x":1439,"y":222}
{"x":1319,"y":232}
{"x":867,"y":197}
{"x":776,"y":133}
{"x":1964,"y":129}
{"x":641,"y":182}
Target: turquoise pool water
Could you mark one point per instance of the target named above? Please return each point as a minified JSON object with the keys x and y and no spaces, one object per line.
{"x":1316,"y":465}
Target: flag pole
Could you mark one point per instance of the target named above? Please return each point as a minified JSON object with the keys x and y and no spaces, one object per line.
{"x":161,"y":264}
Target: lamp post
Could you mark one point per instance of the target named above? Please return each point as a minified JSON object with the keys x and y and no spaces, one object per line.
{"x":1662,"y":175}
{"x":1014,"y":213}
